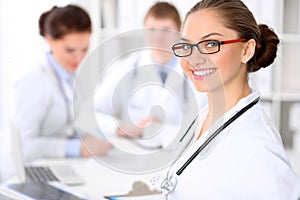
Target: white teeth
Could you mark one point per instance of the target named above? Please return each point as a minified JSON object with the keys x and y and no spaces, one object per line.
{"x":204,"y":72}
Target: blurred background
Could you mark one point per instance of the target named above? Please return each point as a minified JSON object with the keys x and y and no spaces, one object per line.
{"x":279,"y":84}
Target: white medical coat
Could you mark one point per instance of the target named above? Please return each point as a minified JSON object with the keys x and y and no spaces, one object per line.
{"x":39,"y":113}
{"x":132,"y":90}
{"x":246,"y":161}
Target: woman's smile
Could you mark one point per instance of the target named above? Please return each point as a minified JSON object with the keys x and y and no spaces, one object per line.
{"x":199,"y":74}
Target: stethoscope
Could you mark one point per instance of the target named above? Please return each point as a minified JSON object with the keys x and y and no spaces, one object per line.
{"x":70,"y":131}
{"x":169,"y":184}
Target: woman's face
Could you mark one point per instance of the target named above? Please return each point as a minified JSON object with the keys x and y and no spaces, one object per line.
{"x":70,"y":50}
{"x":213,"y":71}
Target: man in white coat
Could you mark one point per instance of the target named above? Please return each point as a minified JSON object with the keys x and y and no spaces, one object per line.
{"x":146,"y":94}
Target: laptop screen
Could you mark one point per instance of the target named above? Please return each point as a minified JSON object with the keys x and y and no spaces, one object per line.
{"x":17,"y":153}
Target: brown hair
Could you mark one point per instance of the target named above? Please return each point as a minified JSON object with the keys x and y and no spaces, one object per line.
{"x":164,"y":10}
{"x":236,"y":16}
{"x":60,"y":21}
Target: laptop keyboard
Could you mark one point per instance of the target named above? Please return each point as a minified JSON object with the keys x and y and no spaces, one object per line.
{"x":39,"y":174}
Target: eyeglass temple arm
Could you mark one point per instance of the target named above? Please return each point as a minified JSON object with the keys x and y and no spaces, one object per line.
{"x":233,"y":41}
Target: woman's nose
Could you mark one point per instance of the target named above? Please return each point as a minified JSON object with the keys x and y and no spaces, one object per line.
{"x":79,"y":56}
{"x":197,"y":58}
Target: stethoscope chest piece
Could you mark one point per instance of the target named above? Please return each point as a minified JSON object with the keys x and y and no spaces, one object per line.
{"x":169,"y":184}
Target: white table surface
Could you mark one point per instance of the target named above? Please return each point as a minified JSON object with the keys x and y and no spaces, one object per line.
{"x":100,"y":179}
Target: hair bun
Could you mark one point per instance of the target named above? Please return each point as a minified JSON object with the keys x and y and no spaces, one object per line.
{"x":266,"y":50}
{"x":42,"y":20}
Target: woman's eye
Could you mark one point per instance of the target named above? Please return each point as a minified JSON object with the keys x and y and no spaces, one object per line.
{"x":212,"y":44}
{"x":186,"y":46}
{"x":69,"y":50}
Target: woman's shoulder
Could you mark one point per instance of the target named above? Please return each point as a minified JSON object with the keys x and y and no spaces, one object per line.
{"x":254,"y":135}
{"x":37,"y":77}
{"x":258,"y":123}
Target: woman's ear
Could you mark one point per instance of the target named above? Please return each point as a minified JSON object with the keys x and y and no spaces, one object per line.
{"x":248,"y":51}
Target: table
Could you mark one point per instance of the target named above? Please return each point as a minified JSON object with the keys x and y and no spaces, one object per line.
{"x":101,"y":179}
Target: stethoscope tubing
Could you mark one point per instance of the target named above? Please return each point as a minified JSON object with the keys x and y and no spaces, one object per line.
{"x":221,"y":128}
{"x":62,"y":91}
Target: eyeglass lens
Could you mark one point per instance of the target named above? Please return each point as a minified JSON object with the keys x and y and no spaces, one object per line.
{"x":205,"y":47}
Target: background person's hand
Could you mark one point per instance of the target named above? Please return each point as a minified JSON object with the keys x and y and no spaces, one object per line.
{"x":147,"y":121}
{"x":130,"y":131}
{"x":126,"y":130}
{"x":94,"y":146}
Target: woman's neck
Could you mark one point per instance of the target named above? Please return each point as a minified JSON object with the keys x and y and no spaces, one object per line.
{"x":221,"y":101}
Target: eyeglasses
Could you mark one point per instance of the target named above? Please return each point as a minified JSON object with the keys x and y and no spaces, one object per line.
{"x":205,"y":47}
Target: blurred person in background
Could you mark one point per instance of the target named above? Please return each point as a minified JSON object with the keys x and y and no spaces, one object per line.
{"x":147,"y":89}
{"x":43,"y":98}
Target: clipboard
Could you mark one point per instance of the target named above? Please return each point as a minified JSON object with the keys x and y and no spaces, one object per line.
{"x":139,"y":191}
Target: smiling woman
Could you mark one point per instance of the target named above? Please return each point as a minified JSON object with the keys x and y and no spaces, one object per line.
{"x":244,"y":156}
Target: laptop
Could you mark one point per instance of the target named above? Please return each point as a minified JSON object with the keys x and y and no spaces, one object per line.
{"x":5,"y":196}
{"x":9,"y":194}
{"x":40,"y":191}
{"x":63,"y":173}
